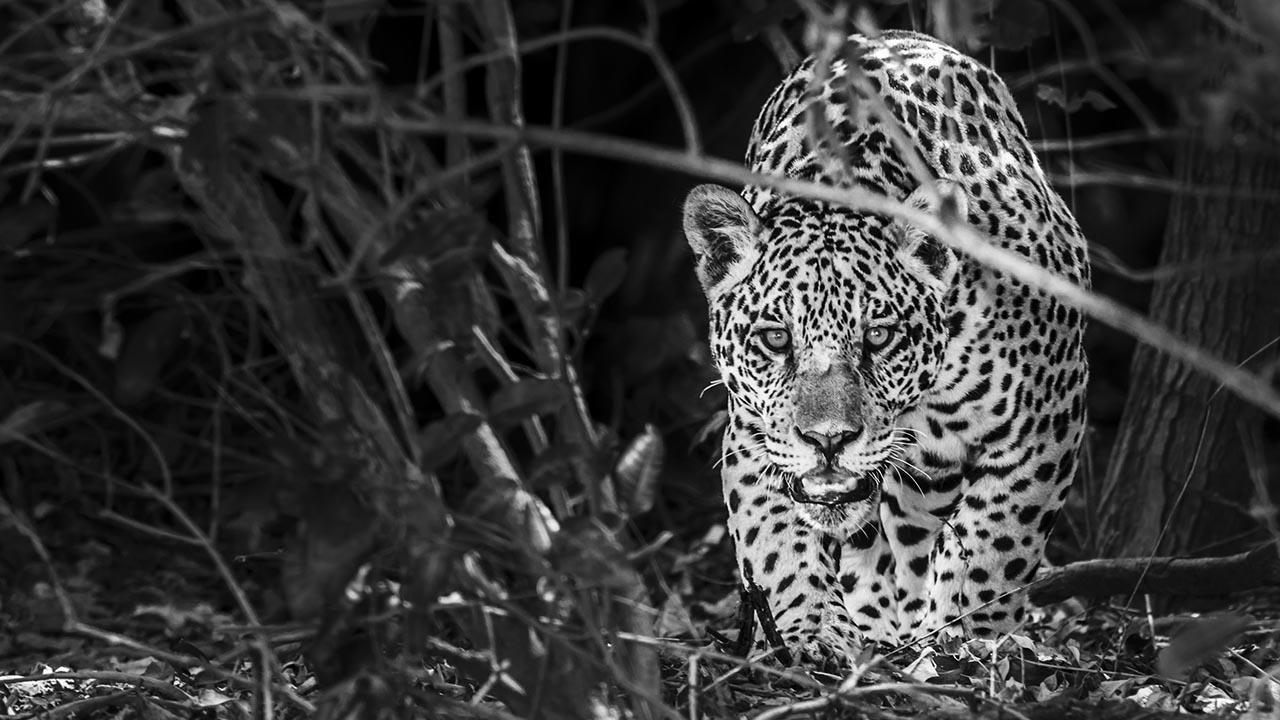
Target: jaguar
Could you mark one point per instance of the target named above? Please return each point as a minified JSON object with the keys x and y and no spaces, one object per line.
{"x":904,"y":423}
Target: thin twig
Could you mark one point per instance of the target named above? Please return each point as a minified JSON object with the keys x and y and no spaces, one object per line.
{"x":1104,"y":73}
{"x":500,"y":366}
{"x":844,"y":698}
{"x":1142,"y":181}
{"x":1107,"y":261}
{"x":1105,"y":140}
{"x":667,"y":73}
{"x":195,"y":533}
{"x":559,"y":206}
{"x":456,"y":149}
{"x":364,"y":318}
{"x":755,"y":664}
{"x":1228,"y":22}
{"x":24,"y":528}
{"x":84,"y":707}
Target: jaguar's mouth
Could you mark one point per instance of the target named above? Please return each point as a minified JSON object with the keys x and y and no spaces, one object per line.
{"x":832,"y":488}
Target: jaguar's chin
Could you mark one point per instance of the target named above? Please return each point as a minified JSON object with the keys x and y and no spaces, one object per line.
{"x":841,"y":521}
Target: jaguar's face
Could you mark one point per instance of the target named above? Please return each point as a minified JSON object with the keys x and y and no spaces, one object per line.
{"x":824,"y":341}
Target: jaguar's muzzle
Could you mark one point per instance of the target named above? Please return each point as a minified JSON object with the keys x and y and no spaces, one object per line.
{"x":830,"y":488}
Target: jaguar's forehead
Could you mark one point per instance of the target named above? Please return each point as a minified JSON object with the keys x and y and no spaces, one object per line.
{"x":827,"y":264}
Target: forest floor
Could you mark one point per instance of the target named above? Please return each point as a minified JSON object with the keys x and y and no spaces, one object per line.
{"x":157,"y":636}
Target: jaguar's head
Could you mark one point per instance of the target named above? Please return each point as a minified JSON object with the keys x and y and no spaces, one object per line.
{"x":827,"y":326}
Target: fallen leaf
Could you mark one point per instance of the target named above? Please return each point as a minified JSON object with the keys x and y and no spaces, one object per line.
{"x":1200,"y":641}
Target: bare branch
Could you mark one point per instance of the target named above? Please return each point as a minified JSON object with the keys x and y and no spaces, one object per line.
{"x":967,"y":240}
{"x":1212,"y":576}
{"x":524,"y":267}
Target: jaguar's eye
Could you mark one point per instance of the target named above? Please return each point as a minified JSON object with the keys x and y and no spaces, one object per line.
{"x":776,"y":339}
{"x":878,"y":337}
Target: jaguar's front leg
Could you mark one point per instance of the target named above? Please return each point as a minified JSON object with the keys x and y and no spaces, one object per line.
{"x":795,"y":568}
{"x":989,"y":549}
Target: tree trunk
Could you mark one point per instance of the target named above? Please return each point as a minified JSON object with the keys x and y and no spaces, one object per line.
{"x":1179,"y":476}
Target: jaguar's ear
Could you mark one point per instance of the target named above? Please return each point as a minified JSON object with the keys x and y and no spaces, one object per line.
{"x":926,"y":256}
{"x":724,"y":233}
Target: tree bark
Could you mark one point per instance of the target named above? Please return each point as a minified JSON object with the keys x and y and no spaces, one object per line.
{"x":1179,"y":479}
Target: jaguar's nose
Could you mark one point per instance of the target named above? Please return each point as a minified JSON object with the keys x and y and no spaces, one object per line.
{"x":829,"y":443}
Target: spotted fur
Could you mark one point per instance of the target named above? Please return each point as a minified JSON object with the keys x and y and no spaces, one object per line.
{"x":904,"y":422}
